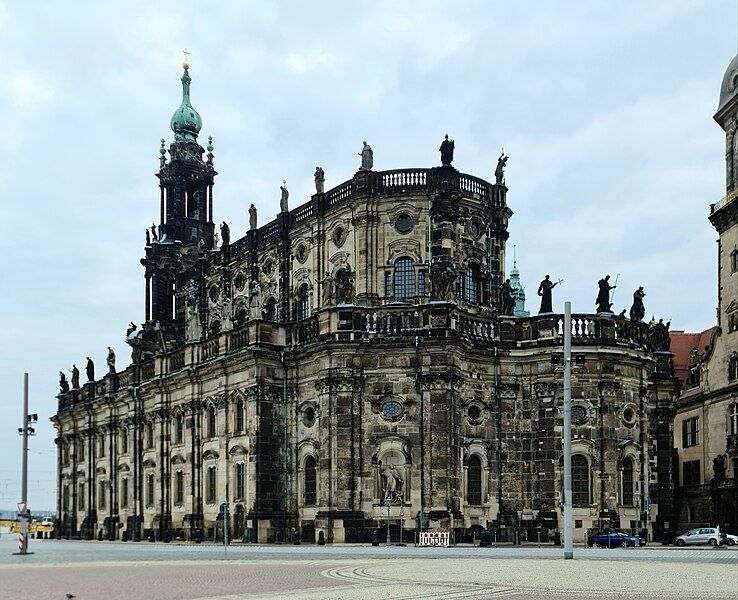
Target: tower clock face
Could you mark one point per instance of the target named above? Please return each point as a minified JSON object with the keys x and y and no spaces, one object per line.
{"x":391,"y":410}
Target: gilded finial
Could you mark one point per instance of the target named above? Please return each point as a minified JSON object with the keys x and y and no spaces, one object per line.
{"x":186,"y":63}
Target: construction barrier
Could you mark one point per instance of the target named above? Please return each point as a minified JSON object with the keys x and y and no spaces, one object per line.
{"x":434,"y":538}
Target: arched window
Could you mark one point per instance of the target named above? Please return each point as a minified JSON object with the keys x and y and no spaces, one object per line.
{"x":239,"y":416}
{"x":270,"y":311}
{"x":303,"y":302}
{"x":150,"y":489}
{"x":470,"y":284}
{"x":404,"y":278}
{"x":211,"y":421}
{"x":627,"y":483}
{"x":474,"y":480}
{"x":579,"y":480}
{"x":733,"y":419}
{"x":211,"y":489}
{"x":240,"y":480}
{"x":733,"y":367}
{"x":310,"y":490}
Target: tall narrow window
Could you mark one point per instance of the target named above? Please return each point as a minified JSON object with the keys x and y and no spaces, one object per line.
{"x":101,"y":451}
{"x":124,"y":492}
{"x":65,"y":498}
{"x":690,"y":432}
{"x":211,"y":484}
{"x":733,"y":367}
{"x":240,"y":480}
{"x":81,"y":451}
{"x":474,"y":480}
{"x":303,"y":302}
{"x":150,"y":489}
{"x":124,"y":441}
{"x":404,"y":278}
{"x":627,"y":495}
{"x":211,"y":421}
{"x":149,"y":435}
{"x":470,"y":283}
{"x":81,"y":498}
{"x":179,"y":429}
{"x":179,"y":487}
{"x":579,"y":480}
{"x":311,"y":487}
{"x":239,"y":416}
{"x":388,"y":284}
{"x":101,"y":494}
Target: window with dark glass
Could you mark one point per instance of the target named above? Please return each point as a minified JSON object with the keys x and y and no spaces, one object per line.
{"x":101,"y":452}
{"x":421,"y":283}
{"x":150,"y":489}
{"x":81,"y":497}
{"x":303,"y":302}
{"x":733,"y":367}
{"x":733,"y":420}
{"x":388,"y":284}
{"x":311,"y":488}
{"x":628,"y":483}
{"x":211,"y":421}
{"x":81,"y":451}
{"x":690,"y":432}
{"x":734,"y":261}
{"x":124,"y":441}
{"x":124,"y":492}
{"x":179,"y":488}
{"x":474,"y":480}
{"x":239,"y":415}
{"x":404,"y":278}
{"x":470,"y":284}
{"x":579,"y":480}
{"x":691,"y":472}
{"x":149,"y":435}
{"x":211,"y":484}
{"x":240,"y":480}
{"x":65,"y":498}
{"x":101,"y":494}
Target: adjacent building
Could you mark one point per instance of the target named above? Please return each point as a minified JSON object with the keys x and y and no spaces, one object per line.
{"x":345,"y":367}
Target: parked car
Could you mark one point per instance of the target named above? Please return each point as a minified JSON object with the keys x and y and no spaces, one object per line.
{"x":614,"y":539}
{"x":701,"y":535}
{"x":731,"y":539}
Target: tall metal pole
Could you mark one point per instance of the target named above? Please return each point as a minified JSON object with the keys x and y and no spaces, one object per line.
{"x":568,"y":530}
{"x":23,"y":545}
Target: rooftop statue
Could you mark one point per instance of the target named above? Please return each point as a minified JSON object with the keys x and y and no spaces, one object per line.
{"x":544,"y":291}
{"x":111,"y":360}
{"x":447,"y":151}
{"x":638,"y":311}
{"x":153,"y":232}
{"x":90,"y":369}
{"x":252,"y":217}
{"x":367,"y":158}
{"x":63,"y":384}
{"x":148,"y":238}
{"x":603,"y":297}
{"x":319,"y":180}
{"x":507,"y":304}
{"x":283,"y":206}
{"x":75,"y":377}
{"x":225,"y":233}
{"x":500,"y":170}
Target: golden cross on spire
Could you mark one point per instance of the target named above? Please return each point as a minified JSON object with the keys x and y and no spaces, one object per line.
{"x":186,"y":63}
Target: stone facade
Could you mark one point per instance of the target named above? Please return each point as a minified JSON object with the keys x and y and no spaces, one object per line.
{"x":708,"y":460}
{"x":344,"y":366}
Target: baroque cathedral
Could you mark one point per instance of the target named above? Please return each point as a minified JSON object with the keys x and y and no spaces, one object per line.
{"x":358,"y":362}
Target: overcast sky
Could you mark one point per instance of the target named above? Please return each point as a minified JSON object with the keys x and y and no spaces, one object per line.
{"x":605,"y":109}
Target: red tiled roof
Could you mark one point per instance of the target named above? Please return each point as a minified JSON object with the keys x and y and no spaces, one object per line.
{"x":682,"y":345}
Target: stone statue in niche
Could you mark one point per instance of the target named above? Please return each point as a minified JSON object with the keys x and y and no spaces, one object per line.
{"x":367,"y":158}
{"x":283,"y":204}
{"x":192,"y":321}
{"x":75,"y":377}
{"x":225,"y":233}
{"x":500,"y":170}
{"x":90,"y":369}
{"x":252,"y":217}
{"x":392,"y":485}
{"x":447,"y":151}
{"x":603,"y":296}
{"x":442,"y":279}
{"x":507,"y":304}
{"x":344,"y":286}
{"x":327,"y":290}
{"x":226,"y":312}
{"x":319,"y":180}
{"x":255,"y":302}
{"x":638,"y":311}
{"x":63,"y":383}
{"x":111,"y":360}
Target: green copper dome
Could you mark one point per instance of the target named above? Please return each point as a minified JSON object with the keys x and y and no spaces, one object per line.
{"x":186,"y":122}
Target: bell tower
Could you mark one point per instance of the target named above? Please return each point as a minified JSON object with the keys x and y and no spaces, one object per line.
{"x":186,"y":229}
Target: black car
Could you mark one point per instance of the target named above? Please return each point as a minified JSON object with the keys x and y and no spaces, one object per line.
{"x":614,"y":539}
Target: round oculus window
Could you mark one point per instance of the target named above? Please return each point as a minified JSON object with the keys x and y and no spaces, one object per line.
{"x":301,"y":253}
{"x":578,"y":414}
{"x":339,"y":236}
{"x":391,"y":409}
{"x":268,"y":266}
{"x":474,"y":229}
{"x":308,"y":416}
{"x":474,"y":412}
{"x":404,"y":223}
{"x":629,"y":416}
